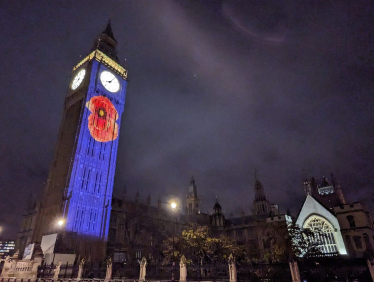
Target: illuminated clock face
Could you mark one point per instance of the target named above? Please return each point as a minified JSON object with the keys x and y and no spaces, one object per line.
{"x":110,"y":81}
{"x":78,"y":79}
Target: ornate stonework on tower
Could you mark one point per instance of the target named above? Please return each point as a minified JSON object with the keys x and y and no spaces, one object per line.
{"x":260,"y":205}
{"x":192,"y":200}
{"x":327,"y":192}
{"x":217,"y":218}
{"x":80,"y":182}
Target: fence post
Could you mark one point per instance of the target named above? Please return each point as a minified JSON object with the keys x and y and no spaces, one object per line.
{"x":371,"y":267}
{"x":183,"y":269}
{"x":295,"y":273}
{"x":66,"y":269}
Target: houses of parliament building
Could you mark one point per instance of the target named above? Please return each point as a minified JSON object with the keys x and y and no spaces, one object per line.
{"x":78,"y":194}
{"x":137,"y":228}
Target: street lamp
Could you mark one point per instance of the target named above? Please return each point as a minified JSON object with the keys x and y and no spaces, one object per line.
{"x":173,"y":206}
{"x":60,"y":222}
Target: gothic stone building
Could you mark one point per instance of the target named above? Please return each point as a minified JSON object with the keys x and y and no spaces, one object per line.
{"x":138,"y":229}
{"x":348,"y":226}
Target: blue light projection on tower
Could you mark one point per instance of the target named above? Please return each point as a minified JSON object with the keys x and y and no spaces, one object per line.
{"x":89,"y":187}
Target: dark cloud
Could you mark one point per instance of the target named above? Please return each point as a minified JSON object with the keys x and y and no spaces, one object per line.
{"x":216,"y":89}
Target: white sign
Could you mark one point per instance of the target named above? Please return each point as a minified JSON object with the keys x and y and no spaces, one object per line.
{"x":48,"y":243}
{"x":27,"y":254}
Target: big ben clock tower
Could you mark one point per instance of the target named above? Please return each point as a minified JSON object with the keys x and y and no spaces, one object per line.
{"x":79,"y":188}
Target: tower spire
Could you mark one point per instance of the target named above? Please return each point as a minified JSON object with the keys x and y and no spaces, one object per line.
{"x":260,"y":205}
{"x":192,"y":189}
{"x":192,"y":200}
{"x":259,"y":191}
{"x":107,"y":43}
{"x":124,"y":193}
{"x":149,"y":199}
{"x":137,"y":195}
{"x":108,"y":30}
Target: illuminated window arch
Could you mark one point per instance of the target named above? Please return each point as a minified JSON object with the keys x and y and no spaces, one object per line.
{"x":319,"y":224}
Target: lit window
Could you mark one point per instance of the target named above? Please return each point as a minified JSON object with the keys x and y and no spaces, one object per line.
{"x":326,"y":243}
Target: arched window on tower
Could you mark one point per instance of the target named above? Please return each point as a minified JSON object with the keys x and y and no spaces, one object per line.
{"x":358,"y":242}
{"x":349,"y":245}
{"x":326,"y":242}
{"x":351,"y":220}
{"x":367,"y":242}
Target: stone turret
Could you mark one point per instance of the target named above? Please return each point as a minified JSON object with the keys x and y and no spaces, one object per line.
{"x":217,"y":218}
{"x":326,"y":191}
{"x":192,"y":200}
{"x":260,"y":205}
{"x":137,"y":196}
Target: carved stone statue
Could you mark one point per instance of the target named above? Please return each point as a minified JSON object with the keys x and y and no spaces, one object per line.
{"x":57,"y":270}
{"x":183,"y":269}
{"x":80,"y":270}
{"x":143,"y":266}
{"x":109,"y":269}
{"x":232,"y":269}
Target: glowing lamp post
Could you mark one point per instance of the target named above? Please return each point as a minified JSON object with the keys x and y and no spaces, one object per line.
{"x":60,"y":223}
{"x":173,"y":206}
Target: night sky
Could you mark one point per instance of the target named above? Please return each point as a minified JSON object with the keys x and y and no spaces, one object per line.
{"x":216,"y":89}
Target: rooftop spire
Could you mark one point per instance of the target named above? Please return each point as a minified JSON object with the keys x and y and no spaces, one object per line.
{"x":107,"y":43}
{"x":124,"y":193}
{"x":192,"y":189}
{"x":260,"y":205}
{"x":259,"y":190}
{"x":108,"y":30}
{"x":137,"y":195}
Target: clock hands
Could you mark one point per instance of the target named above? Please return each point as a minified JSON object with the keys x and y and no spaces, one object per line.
{"x":110,"y":80}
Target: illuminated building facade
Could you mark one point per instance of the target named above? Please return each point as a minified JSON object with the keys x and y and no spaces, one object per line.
{"x":78,"y":192}
{"x":6,"y":248}
{"x":348,"y":227}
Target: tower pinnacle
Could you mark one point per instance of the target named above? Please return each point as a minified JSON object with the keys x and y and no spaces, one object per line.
{"x":149,"y":199}
{"x":108,"y":31}
{"x":259,"y":191}
{"x":260,"y":205}
{"x":107,"y":43}
{"x":192,"y":200}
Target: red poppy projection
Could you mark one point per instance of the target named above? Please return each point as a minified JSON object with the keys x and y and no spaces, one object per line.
{"x":102,"y":120}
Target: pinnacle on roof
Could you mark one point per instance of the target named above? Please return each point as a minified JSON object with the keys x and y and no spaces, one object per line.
{"x":192,"y":189}
{"x":192,"y":181}
{"x":108,"y":31}
{"x":259,"y":191}
{"x":107,"y":43}
{"x":217,"y":205}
